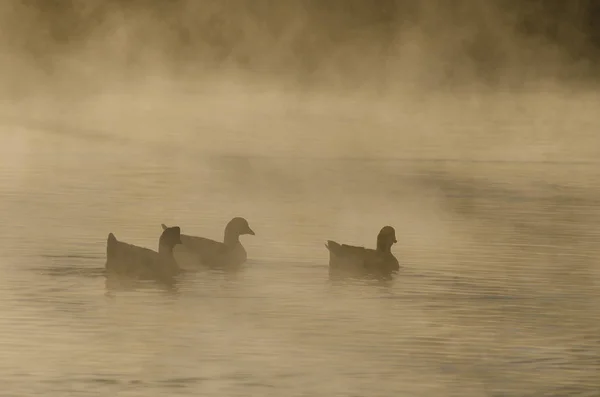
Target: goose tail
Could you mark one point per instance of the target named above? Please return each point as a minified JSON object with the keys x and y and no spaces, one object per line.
{"x":333,"y":247}
{"x":164,"y":227}
{"x":111,"y":245}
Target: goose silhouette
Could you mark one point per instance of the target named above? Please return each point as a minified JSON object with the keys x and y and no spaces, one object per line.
{"x":227,"y":255}
{"x":352,"y":261}
{"x":143,"y":263}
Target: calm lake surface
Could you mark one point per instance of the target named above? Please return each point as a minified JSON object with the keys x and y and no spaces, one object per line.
{"x":499,"y":294}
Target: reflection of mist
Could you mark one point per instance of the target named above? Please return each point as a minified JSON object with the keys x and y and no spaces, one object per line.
{"x":14,"y":158}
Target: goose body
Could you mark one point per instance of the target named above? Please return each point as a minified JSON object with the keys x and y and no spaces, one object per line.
{"x":143,"y":263}
{"x":228,"y":254}
{"x":353,"y":261}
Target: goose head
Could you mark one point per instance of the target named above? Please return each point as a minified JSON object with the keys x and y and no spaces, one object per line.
{"x":237,"y":227}
{"x":170,"y":237}
{"x":386,"y":238}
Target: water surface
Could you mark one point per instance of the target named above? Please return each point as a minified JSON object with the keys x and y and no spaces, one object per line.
{"x":498,"y":295}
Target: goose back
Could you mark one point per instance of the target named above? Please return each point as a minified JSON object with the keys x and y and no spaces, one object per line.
{"x":215,"y":254}
{"x":143,"y":263}
{"x":355,"y":261}
{"x":228,"y":255}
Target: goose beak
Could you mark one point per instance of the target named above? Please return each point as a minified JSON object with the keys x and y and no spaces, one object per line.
{"x":250,"y":231}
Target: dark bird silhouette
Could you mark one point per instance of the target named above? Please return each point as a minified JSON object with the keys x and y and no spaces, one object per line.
{"x":143,"y":263}
{"x":227,"y":255}
{"x":359,"y":262}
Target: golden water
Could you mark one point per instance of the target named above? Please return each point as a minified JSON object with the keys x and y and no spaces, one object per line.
{"x":498,"y":295}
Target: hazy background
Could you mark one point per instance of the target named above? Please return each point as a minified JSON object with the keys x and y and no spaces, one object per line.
{"x":380,"y":46}
{"x":396,"y":77}
{"x":470,"y":126}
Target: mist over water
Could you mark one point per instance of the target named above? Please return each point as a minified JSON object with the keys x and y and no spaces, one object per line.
{"x":471,"y":129}
{"x":460,"y":80}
